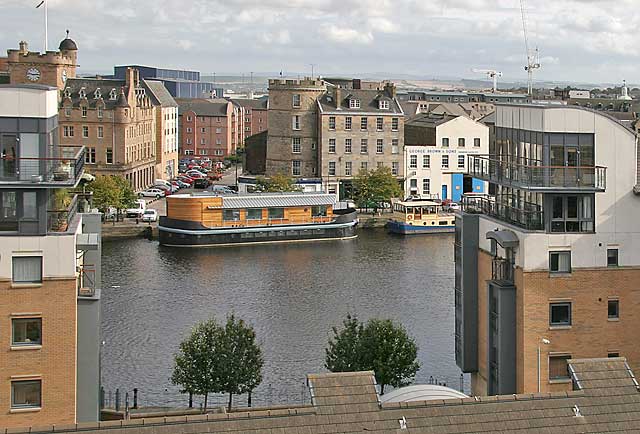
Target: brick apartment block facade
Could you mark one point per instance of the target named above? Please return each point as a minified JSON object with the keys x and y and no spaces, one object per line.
{"x":255,"y":114}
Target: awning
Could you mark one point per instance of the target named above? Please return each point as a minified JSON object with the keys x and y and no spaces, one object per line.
{"x":505,"y":238}
{"x":87,"y":242}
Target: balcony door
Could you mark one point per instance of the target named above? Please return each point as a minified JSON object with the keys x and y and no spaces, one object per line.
{"x":8,"y":149}
{"x":572,"y":164}
{"x":29,"y":164}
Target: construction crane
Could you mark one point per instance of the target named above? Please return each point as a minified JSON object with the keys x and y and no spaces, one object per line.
{"x":492,"y":74}
{"x":533,"y":56}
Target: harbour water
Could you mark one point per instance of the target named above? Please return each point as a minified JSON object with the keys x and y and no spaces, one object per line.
{"x":292,"y":295}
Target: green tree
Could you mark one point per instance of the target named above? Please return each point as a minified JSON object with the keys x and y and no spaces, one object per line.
{"x":278,"y":183}
{"x":380,"y":346}
{"x":111,"y":191}
{"x":376,"y":186}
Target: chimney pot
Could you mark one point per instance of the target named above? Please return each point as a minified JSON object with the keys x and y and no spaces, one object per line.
{"x":24,"y":47}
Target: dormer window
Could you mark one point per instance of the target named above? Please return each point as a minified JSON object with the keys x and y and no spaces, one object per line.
{"x":113,"y":95}
{"x":383,"y":104}
{"x":97,"y":94}
{"x":354,"y":103}
{"x":83,"y":93}
{"x":67,"y":93}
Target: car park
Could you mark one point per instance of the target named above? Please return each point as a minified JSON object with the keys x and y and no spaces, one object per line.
{"x":150,"y":215}
{"x":182,"y":183}
{"x":152,"y":192}
{"x":222,"y":189}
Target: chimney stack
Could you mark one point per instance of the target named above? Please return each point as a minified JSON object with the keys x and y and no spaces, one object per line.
{"x":24,"y":48}
{"x":338,"y":96}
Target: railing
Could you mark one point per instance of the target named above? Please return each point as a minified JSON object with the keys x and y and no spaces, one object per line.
{"x":86,"y":281}
{"x":501,"y":270}
{"x":529,"y":216}
{"x":64,"y":168}
{"x":277,"y":221}
{"x":529,"y":174}
{"x":60,"y":220}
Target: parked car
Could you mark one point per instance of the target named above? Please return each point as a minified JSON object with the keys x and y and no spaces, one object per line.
{"x":176,"y":184}
{"x":167,"y":190}
{"x":182,"y":183}
{"x":186,"y":179}
{"x":150,"y":215}
{"x":196,"y":174}
{"x":222,"y":189}
{"x":138,"y":209}
{"x":201,"y":183}
{"x":153,"y":192}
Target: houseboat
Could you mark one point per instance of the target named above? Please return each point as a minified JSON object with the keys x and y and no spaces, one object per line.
{"x":208,"y":219}
{"x":421,"y":217}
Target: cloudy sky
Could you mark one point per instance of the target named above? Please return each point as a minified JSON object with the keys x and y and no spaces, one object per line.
{"x":579,"y":40}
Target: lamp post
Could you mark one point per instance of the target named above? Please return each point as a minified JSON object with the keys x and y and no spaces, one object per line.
{"x":545,"y":342}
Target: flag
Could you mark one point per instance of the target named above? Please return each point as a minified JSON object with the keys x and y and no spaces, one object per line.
{"x":41,"y":3}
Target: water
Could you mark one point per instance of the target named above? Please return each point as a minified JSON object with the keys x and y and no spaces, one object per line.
{"x":292,"y":295}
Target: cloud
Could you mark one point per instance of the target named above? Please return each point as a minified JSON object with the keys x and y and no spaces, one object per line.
{"x":344,"y":35}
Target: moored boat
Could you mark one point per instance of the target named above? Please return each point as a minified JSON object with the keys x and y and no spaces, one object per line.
{"x":208,"y":219}
{"x":420,"y":217}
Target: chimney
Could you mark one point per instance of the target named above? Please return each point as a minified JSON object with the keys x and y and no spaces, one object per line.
{"x":131,"y":86}
{"x":390,"y":88}
{"x":338,"y":96}
{"x":24,"y":48}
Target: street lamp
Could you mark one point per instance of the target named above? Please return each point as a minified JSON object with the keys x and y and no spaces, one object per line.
{"x":545,"y":341}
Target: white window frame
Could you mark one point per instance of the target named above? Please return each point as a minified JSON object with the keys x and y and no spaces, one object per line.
{"x":296,"y":167}
{"x":426,"y":161}
{"x":295,"y":122}
{"x":331,"y":168}
{"x":413,"y":161}
{"x":296,"y":145}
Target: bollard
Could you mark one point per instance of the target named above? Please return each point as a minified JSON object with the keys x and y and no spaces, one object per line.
{"x":126,"y":406}
{"x":190,"y":399}
{"x":110,"y":399}
{"x":135,"y":398}
{"x":462,"y":383}
{"x":101,"y":397}
{"x":117,"y":399}
{"x":249,"y":399}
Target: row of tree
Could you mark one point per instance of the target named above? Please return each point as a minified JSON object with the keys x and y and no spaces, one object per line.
{"x":217,"y":358}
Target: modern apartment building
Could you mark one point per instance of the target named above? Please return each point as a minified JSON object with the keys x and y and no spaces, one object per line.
{"x":180,"y":83}
{"x":49,"y":269}
{"x":166,"y":130}
{"x":255,"y":114}
{"x":210,"y":128}
{"x":548,"y":269}
{"x":358,"y":130}
{"x":435,"y":155}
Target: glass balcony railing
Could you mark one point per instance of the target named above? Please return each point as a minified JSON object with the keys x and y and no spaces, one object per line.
{"x":537,"y":177}
{"x":525,"y":215}
{"x":61,"y":220}
{"x":63,"y":169}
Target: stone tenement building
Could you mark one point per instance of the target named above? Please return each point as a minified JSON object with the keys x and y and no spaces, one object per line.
{"x":166,"y":130}
{"x":210,"y":128}
{"x":358,"y":130}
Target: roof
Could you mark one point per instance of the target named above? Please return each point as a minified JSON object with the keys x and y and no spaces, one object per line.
{"x":505,"y":238}
{"x":255,"y":103}
{"x":418,"y":203}
{"x":68,"y":44}
{"x":268,"y":200}
{"x":421,"y":392}
{"x":603,"y":376}
{"x":347,"y":403}
{"x":368,"y":102}
{"x":90,"y":85}
{"x":203,"y":106}
{"x":160,"y":94}
{"x":430,"y":120}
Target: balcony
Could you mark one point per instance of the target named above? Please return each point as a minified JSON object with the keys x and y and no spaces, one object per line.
{"x":59,"y":221}
{"x":86,"y":281}
{"x":528,"y":216}
{"x":535,"y":177}
{"x":63,"y":169}
{"x":502,"y":271}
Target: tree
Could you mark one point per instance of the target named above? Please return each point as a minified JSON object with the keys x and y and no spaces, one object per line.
{"x":375,"y":186}
{"x":111,"y":191}
{"x":380,"y":346}
{"x":219,"y":359}
{"x":278,"y":183}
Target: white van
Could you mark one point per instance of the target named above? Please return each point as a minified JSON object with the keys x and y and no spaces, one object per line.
{"x":162,"y":182}
{"x":138,"y":209}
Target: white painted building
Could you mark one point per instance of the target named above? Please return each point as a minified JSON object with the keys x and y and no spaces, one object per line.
{"x":436,"y":153}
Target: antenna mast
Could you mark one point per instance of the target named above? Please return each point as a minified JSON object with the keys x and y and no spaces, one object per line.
{"x":533,"y":56}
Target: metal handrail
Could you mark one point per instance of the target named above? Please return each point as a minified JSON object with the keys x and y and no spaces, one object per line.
{"x":60,"y":220}
{"x":64,"y":169}
{"x":527,"y":215}
{"x":86,"y":274}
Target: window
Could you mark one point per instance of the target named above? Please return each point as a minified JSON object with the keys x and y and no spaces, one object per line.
{"x":426,"y":161}
{"x":445,"y":142}
{"x":218,"y":152}
{"x":203,"y":130}
{"x":347,"y":123}
{"x":379,"y":146}
{"x":100,"y":112}
{"x":394,"y":146}
{"x":276,"y":213}
{"x":394,"y":124}
{"x":218,"y":141}
{"x":319,"y":211}
{"x":364,"y":166}
{"x":354,"y":103}
{"x":203,"y":152}
{"x":363,"y":123}
{"x":613,"y":309}
{"x":476,"y":142}
{"x":67,"y":131}
{"x":84,"y":111}
{"x":395,"y":168}
{"x":461,"y":142}
{"x":572,"y":213}
{"x":218,"y":130}
{"x":560,"y":314}
{"x":8,"y":211}
{"x":295,"y":122}
{"x":203,"y":141}
{"x":379,"y":124}
{"x":67,"y":111}
{"x":254,"y":214}
{"x":332,"y":122}
{"x":27,"y":269}
{"x":189,"y":129}
{"x":413,"y":185}
{"x":295,"y":167}
{"x":26,"y":331}
{"x":26,"y":394}
{"x":612,"y":257}
{"x":379,"y":164}
{"x":295,"y":100}
{"x":296,"y":145}
{"x":383,"y":104}
{"x":100,"y":132}
{"x":558,"y":368}
{"x":30,"y":205}
{"x":560,"y":262}
{"x":347,"y":146}
{"x":413,"y":162}
{"x":460,"y":161}
{"x":90,"y":156}
{"x":232,"y":215}
{"x":188,"y":152}
{"x":332,"y":168}
{"x":426,"y":186}
{"x":85,"y":131}
{"x":189,"y":142}
{"x":189,"y":119}
{"x":364,"y":146}
{"x":445,"y":161}
{"x":347,"y":168}
{"x":109,"y":156}
{"x":332,"y":146}
{"x":613,"y":354}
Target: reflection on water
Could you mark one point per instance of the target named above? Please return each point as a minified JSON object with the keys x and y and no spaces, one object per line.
{"x":292,"y":294}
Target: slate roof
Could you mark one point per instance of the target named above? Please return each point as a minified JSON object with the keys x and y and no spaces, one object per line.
{"x":160,"y":94}
{"x":430,"y":120}
{"x":256,"y":104}
{"x":348,"y":403}
{"x":203,"y":106}
{"x":368,"y":102}
{"x":75,"y":85}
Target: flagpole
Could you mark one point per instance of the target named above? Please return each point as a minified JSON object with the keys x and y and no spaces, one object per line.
{"x":46,"y":26}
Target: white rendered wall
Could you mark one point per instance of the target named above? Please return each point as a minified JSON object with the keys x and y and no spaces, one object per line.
{"x":25,"y":102}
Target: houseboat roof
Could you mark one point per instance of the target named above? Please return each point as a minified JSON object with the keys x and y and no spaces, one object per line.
{"x":417,"y":203}
{"x":268,"y":200}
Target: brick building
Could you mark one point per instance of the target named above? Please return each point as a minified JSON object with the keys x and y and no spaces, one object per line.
{"x":49,"y":269}
{"x":255,"y":114}
{"x":166,"y":130}
{"x":210,"y":128}
{"x":547,"y":270}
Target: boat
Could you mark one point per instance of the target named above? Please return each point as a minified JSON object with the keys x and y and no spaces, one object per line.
{"x":210,"y":219}
{"x":421,"y":217}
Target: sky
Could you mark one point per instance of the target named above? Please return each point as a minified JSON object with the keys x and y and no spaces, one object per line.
{"x":579,"y":40}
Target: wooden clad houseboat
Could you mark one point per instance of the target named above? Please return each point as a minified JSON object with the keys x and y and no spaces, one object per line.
{"x":207,"y":219}
{"x":421,"y":217}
